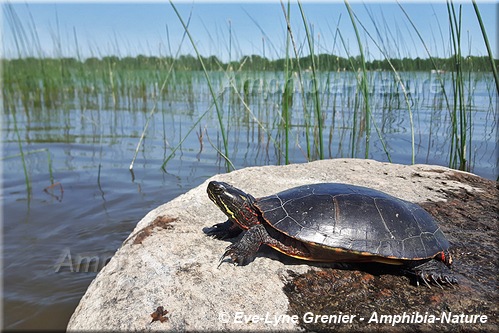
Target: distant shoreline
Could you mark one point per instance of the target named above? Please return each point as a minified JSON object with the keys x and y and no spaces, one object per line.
{"x":323,"y":62}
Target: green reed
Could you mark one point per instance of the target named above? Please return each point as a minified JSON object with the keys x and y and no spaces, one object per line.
{"x":487,"y":44}
{"x":315,"y":87}
{"x":300,"y":79}
{"x":212,"y":91}
{"x":134,"y":83}
{"x":399,"y":84}
{"x":460,"y":114}
{"x":157,"y":96}
{"x":459,"y":117}
{"x":364,"y":90}
{"x":22,"y":153}
{"x":287,"y":98}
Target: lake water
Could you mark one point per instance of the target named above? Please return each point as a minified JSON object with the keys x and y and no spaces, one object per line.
{"x":83,"y":200}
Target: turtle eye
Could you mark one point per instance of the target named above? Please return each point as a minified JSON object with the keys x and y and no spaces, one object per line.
{"x":219,"y":188}
{"x":216,"y":188}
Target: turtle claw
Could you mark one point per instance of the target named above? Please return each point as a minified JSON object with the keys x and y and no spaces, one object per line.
{"x":244,"y":250}
{"x":228,"y":253}
{"x":435,"y":279}
{"x":221,"y":260}
{"x":434,"y":272}
{"x":451,"y":281}
{"x":237,"y":255}
{"x":424,"y":279}
{"x":440,"y":280}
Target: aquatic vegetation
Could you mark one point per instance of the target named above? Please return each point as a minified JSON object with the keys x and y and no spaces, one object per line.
{"x":307,"y":105}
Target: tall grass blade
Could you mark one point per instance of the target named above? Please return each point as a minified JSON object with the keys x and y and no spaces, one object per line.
{"x":172,"y":154}
{"x":363,"y":82}
{"x":300,"y":79}
{"x":486,"y":40}
{"x":315,"y":93}
{"x":354,"y":121}
{"x":21,"y":151}
{"x":407,"y":98}
{"x":210,"y":86}
{"x":153,"y":110}
{"x":287,"y":99}
{"x":459,"y":119}
{"x":430,"y":56}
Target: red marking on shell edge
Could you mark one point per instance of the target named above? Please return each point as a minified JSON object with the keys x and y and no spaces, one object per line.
{"x":447,"y":259}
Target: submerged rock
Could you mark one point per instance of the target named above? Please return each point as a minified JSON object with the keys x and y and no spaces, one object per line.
{"x":165,"y":275}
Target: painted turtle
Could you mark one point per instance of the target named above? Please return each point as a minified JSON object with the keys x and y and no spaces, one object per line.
{"x":334,"y":222}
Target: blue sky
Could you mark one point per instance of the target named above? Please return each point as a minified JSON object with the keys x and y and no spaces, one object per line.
{"x":234,"y":29}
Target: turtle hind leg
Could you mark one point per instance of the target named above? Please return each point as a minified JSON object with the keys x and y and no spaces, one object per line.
{"x":433,"y":272}
{"x":224,"y":230}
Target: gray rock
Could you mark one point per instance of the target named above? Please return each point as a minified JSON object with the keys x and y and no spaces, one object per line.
{"x":168,"y":261}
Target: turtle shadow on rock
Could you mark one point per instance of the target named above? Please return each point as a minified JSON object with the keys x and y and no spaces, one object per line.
{"x":220,"y":231}
{"x":373,"y":269}
{"x":265,"y":251}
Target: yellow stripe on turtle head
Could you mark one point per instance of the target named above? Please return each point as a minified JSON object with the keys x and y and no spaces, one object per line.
{"x":228,"y":211}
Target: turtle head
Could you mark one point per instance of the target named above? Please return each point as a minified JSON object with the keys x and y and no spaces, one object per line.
{"x":236,"y":204}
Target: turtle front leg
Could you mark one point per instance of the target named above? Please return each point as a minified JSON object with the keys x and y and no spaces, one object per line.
{"x":246,"y":248}
{"x":224,"y":230}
